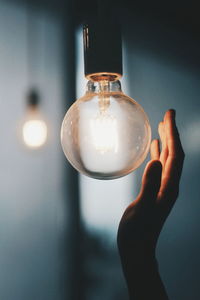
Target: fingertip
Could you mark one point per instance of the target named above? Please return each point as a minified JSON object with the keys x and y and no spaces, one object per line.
{"x":154,"y":141}
{"x":155,"y":149}
{"x":170,"y":113}
{"x":155,"y":144}
{"x":154,"y":168}
{"x":151,"y":180}
{"x":156,"y":164}
{"x":160,"y":125}
{"x":170,"y":123}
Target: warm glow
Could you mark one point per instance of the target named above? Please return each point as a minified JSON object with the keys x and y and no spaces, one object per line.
{"x":34,"y":133}
{"x":104,"y":134}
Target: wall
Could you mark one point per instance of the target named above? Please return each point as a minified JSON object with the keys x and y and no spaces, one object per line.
{"x":33,"y":208}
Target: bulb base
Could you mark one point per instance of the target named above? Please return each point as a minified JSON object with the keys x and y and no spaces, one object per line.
{"x":102,"y":49}
{"x":103,"y":76}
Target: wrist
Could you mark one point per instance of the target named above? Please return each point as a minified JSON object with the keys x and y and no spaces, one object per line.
{"x":137,"y":255}
{"x":139,"y":267}
{"x":143,"y":280}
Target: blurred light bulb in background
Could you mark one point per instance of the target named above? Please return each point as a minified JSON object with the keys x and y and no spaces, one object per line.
{"x":34,"y":129}
{"x":105,"y":134}
{"x":34,"y":133}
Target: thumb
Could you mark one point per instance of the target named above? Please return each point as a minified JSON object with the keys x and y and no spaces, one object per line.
{"x":151,"y":181}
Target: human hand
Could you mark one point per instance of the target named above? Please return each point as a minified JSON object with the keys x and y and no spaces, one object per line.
{"x":143,"y":220}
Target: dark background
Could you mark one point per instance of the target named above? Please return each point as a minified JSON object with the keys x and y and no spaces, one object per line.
{"x":58,"y":229}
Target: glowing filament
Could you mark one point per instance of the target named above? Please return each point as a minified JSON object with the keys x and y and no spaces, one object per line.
{"x":104,"y":134}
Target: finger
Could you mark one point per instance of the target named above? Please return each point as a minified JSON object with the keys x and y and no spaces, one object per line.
{"x":155,"y":150}
{"x":176,"y":154}
{"x":172,"y":135}
{"x":161,"y":132}
{"x":164,"y":151}
{"x":174,"y":163}
{"x":150,"y":182}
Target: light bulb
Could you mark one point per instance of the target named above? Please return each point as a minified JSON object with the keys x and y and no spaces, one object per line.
{"x":34,"y":129}
{"x":105,"y":134}
{"x":34,"y":133}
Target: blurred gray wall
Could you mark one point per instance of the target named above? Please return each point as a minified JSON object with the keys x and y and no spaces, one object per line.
{"x":34,"y":213}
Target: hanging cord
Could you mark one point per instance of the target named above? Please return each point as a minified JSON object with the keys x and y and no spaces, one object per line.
{"x":32,"y":94}
{"x":31,"y":47}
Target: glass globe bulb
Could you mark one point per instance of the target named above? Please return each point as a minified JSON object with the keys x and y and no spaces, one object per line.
{"x":105,"y":134}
